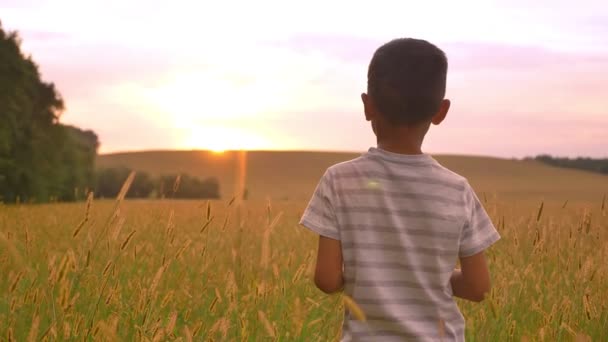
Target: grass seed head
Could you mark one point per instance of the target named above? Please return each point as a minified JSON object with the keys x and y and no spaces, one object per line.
{"x":353,"y":307}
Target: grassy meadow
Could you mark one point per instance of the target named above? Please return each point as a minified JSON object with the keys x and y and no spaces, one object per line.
{"x":290,"y":175}
{"x":172,"y":270}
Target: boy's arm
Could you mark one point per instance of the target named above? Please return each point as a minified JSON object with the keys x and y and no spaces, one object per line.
{"x":472,"y":280}
{"x":328,"y":272}
{"x":320,"y":217}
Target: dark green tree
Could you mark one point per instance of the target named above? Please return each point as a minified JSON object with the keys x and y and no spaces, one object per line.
{"x":110,"y":181}
{"x":78,"y":158}
{"x":40,"y":159}
{"x":189,"y":187}
{"x":582,"y":163}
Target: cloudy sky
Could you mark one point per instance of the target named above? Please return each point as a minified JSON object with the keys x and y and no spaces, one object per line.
{"x":524,"y":79}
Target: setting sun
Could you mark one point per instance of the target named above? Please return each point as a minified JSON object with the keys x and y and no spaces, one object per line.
{"x":204,"y":109}
{"x":219,"y":139}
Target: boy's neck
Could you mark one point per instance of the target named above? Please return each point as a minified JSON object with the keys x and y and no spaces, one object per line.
{"x":402,"y":140}
{"x":399,"y":148}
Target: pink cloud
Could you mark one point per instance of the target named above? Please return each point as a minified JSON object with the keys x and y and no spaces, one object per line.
{"x":81,"y":70}
{"x":38,"y":36}
{"x":20,"y":3}
{"x":461,"y":55}
{"x":504,"y":135}
{"x":475,"y":56}
{"x":346,"y":48}
{"x":121,"y":126}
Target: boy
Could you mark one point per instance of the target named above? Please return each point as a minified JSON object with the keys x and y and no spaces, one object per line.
{"x":394,"y":222}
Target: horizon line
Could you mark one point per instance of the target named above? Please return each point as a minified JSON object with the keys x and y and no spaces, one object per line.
{"x":211,"y":151}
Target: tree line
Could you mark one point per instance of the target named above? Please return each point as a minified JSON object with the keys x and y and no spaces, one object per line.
{"x":40,"y":159}
{"x":581,"y":163}
{"x":109,"y":182}
{"x":43,"y":160}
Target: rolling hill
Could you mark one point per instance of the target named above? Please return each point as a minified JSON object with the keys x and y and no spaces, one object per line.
{"x":293,"y":175}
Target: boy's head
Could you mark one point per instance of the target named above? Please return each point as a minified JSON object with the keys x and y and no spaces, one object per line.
{"x":406,"y":83}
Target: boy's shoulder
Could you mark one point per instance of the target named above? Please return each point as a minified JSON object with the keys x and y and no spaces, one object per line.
{"x":443,"y":175}
{"x":348,"y":166}
{"x":445,"y":172}
{"x":427,"y":173}
{"x":364,"y":163}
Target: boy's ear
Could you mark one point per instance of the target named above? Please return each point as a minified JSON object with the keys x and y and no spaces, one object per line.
{"x":442,"y":113}
{"x":368,"y":107}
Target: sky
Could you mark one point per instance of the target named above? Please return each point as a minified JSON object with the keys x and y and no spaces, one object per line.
{"x":524,"y":78}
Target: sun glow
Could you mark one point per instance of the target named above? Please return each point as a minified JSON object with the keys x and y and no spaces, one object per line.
{"x":215,"y":112}
{"x":219,"y":139}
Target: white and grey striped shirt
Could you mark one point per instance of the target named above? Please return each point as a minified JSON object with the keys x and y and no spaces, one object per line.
{"x":403,"y":221}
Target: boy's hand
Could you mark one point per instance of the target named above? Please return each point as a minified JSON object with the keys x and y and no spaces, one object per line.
{"x":472,"y":280}
{"x":328,"y":272}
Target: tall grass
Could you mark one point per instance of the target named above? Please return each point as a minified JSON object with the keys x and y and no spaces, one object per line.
{"x":192,"y":271}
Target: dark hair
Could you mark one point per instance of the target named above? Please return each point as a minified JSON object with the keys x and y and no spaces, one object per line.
{"x":406,"y":79}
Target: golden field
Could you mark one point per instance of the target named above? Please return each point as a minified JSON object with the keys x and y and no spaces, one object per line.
{"x":222,"y":270}
{"x":289,"y":175}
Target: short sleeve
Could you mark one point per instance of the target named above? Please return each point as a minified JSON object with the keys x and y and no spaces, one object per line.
{"x":478,"y":232}
{"x":319,"y":216}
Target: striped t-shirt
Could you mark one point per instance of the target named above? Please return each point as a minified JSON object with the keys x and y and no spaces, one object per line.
{"x":403,"y":222}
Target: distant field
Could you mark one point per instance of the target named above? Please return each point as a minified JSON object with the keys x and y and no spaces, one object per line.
{"x":293,"y":175}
